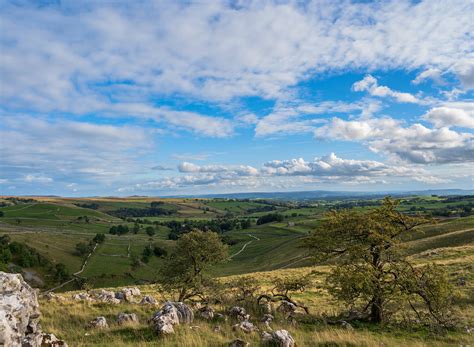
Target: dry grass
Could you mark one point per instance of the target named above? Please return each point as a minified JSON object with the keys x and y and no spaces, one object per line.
{"x":68,"y":319}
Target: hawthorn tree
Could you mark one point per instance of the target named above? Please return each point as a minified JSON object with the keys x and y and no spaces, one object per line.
{"x":185,"y":270}
{"x":373,"y":275}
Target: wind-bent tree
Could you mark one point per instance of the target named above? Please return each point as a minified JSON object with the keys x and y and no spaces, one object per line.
{"x":373,"y":276}
{"x":185,"y":269}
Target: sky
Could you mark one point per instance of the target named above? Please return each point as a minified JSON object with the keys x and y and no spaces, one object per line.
{"x":170,"y":97}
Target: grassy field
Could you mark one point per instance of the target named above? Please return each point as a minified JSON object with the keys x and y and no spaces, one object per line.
{"x":68,"y":318}
{"x":53,"y":226}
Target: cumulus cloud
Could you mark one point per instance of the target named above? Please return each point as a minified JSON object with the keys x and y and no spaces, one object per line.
{"x":285,"y":174}
{"x":447,"y":117}
{"x":415,"y":143}
{"x":370,"y":84}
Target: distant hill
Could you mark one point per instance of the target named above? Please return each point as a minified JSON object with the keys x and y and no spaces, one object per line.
{"x":323,"y":194}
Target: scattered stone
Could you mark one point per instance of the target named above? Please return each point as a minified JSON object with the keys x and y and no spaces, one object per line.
{"x":280,"y":338}
{"x":462,"y":281}
{"x":107,"y":296}
{"x":206,"y":312}
{"x":245,"y":326}
{"x":120,"y":296}
{"x":148,"y":300}
{"x":82,"y":297}
{"x":267,"y":319}
{"x":287,"y":307}
{"x":50,"y":340}
{"x":50,"y":296}
{"x":346,"y":325}
{"x":130,"y":293}
{"x":185,"y":314}
{"x":19,"y":312}
{"x":217,"y":329}
{"x":194,"y":327}
{"x":98,"y":323}
{"x":238,"y":343}
{"x":239,"y":313}
{"x":127,"y":318}
{"x":172,"y":313}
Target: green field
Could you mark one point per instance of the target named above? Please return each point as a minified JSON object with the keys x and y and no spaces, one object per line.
{"x":53,"y":226}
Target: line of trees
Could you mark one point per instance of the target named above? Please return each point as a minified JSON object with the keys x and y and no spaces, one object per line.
{"x":215,"y":225}
{"x":25,"y":256}
{"x":372,"y":278}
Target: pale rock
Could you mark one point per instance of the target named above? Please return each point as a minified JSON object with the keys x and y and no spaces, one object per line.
{"x":278,"y":338}
{"x":206,"y":312}
{"x":19,"y":312}
{"x":98,"y":323}
{"x":127,"y":318}
{"x":148,"y":300}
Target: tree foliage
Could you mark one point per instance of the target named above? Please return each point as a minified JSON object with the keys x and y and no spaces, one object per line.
{"x":185,"y":270}
{"x":373,"y":276}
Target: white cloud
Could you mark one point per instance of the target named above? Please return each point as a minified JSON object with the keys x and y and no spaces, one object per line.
{"x":370,"y":84}
{"x":70,"y":150}
{"x":448,"y":117}
{"x":72,"y":57}
{"x":465,"y":72}
{"x":285,"y":174}
{"x":298,"y":117}
{"x":429,"y":74}
{"x":37,"y":179}
{"x":238,"y":170}
{"x":415,"y":143}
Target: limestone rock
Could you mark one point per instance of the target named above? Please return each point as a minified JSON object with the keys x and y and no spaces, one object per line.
{"x":280,"y":338}
{"x":185,"y":314}
{"x":50,"y":340}
{"x":127,"y":318}
{"x":287,"y":307}
{"x":107,"y":296}
{"x":19,"y":312}
{"x":148,"y":300}
{"x":206,"y":312}
{"x":239,"y":313}
{"x":267,"y":319}
{"x":245,"y":326}
{"x":130,"y":293}
{"x":172,"y":313}
{"x":98,"y":323}
{"x":82,"y":297}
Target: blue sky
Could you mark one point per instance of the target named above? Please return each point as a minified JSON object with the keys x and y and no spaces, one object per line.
{"x":169,"y":97}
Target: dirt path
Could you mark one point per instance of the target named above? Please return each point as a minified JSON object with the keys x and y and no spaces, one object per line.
{"x":245,"y":245}
{"x":75,"y":274}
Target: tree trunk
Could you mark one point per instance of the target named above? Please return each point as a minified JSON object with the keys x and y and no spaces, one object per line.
{"x":376,"y":310}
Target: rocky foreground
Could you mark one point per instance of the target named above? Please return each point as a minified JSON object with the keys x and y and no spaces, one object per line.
{"x":20,"y":315}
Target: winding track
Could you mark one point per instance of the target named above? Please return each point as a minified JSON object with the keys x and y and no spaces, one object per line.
{"x":75,"y":274}
{"x":245,"y":245}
